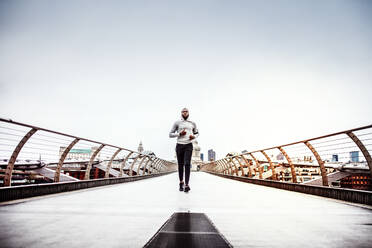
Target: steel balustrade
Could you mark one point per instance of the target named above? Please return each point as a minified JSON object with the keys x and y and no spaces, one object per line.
{"x":19,"y":138}
{"x":300,"y":154}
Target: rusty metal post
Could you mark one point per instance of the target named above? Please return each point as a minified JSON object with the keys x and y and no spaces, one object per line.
{"x":159,"y":169}
{"x":248,"y":163}
{"x":218,"y":167}
{"x":363,"y":149}
{"x":320,"y":162}
{"x":139,"y":166}
{"x":258,"y":165}
{"x":57,"y":173}
{"x":131,"y":167}
{"x":123,"y":164}
{"x":240,"y":166}
{"x":89,"y":166}
{"x":155,"y":168}
{"x":221,"y":169}
{"x":229,"y":171}
{"x":271,"y":164}
{"x":13,"y":158}
{"x":231,"y":166}
{"x":107,"y":174}
{"x":145,"y":167}
{"x":158,"y":166}
{"x":293,"y":171}
{"x":152,"y":167}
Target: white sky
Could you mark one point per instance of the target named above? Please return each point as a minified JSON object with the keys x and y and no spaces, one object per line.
{"x":253,"y":74}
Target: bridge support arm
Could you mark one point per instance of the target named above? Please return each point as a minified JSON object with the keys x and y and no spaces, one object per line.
{"x":145,"y":167}
{"x":140,"y":164}
{"x":13,"y":158}
{"x":228,"y":166}
{"x":271,"y":164}
{"x":107,"y":174}
{"x":57,"y":173}
{"x":320,"y":162}
{"x":248,"y":163}
{"x":123,"y":164}
{"x":131,"y":167}
{"x":89,"y":166}
{"x":240,"y":165}
{"x":293,"y":171}
{"x":258,"y":165}
{"x":364,"y":150}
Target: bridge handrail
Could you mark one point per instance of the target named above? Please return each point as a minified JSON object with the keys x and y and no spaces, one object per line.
{"x":153,"y":163}
{"x":232,"y":164}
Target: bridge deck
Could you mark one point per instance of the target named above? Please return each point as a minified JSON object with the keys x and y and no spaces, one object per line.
{"x":128,"y":215}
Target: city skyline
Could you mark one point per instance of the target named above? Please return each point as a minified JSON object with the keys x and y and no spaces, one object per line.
{"x":253,"y":74}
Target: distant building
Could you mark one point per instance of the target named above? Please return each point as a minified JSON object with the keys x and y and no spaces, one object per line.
{"x":354,"y":156}
{"x":244,"y":151}
{"x":202,"y":156}
{"x":195,"y":152}
{"x":334,"y":158}
{"x":280,"y":156}
{"x":140,"y":147}
{"x":79,"y":154}
{"x":211,"y":155}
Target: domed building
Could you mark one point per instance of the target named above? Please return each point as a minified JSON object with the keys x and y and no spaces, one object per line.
{"x":195,"y":159}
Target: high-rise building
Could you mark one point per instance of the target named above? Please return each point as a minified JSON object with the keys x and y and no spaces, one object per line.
{"x":334,"y":158}
{"x":354,"y":156}
{"x":211,"y":155}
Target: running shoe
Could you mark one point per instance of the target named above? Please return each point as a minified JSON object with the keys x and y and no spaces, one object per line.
{"x":181,"y":186}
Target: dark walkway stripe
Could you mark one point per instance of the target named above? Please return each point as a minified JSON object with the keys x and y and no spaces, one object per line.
{"x":184,"y":230}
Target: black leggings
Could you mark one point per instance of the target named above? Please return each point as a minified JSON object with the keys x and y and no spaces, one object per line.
{"x":184,"y":153}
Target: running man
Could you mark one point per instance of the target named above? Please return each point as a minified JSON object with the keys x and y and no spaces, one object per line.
{"x":185,"y":131}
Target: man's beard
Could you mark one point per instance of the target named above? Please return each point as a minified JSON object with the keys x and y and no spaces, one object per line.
{"x":185,"y":118}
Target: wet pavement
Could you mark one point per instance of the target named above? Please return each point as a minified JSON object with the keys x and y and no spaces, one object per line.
{"x":129,"y":214}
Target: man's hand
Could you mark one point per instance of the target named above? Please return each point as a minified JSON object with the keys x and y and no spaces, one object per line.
{"x":183,"y":133}
{"x":191,"y":137}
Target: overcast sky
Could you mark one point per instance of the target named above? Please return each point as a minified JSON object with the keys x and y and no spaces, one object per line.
{"x":253,"y":74}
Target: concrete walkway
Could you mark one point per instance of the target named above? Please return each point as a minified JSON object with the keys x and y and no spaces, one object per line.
{"x":129,"y":214}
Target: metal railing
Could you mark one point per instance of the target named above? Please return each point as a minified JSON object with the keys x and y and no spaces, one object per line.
{"x":342,"y":151}
{"x":25,"y":149}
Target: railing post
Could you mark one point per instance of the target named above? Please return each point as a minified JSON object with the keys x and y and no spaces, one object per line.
{"x":221,"y":168}
{"x":140,"y":164}
{"x":107,"y":174}
{"x":154,"y":165}
{"x":320,"y":162}
{"x":365,"y":152}
{"x":144,"y":169}
{"x":89,"y":166}
{"x":293,"y":171}
{"x":248,"y":163}
{"x":131,"y":167}
{"x":13,"y":158}
{"x":231,"y":161}
{"x":240,"y":166}
{"x":123,"y":164}
{"x":258,"y":166}
{"x":158,"y":166}
{"x":57,"y":173}
{"x":271,"y":164}
{"x":228,"y":166}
